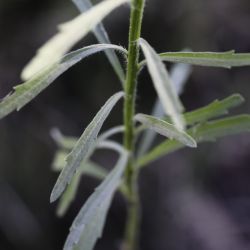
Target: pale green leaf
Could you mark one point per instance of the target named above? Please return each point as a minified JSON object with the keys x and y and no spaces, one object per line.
{"x":89,"y":168}
{"x":209,"y":131}
{"x":163,"y":85}
{"x":69,"y":34}
{"x":166,"y":129}
{"x":215,"y":109}
{"x":224,"y":59}
{"x":84,"y":147}
{"x":102,"y":37}
{"x":86,"y":168}
{"x":88,"y":225}
{"x":179,"y":75}
{"x":27,"y":91}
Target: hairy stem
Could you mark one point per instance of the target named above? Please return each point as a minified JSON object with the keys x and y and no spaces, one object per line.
{"x":131,"y":233}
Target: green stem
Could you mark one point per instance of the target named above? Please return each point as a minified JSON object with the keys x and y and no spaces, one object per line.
{"x":136,"y":16}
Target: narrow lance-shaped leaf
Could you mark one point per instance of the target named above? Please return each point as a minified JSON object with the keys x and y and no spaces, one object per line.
{"x":86,"y":168}
{"x":215,"y":109}
{"x":69,"y":34}
{"x":179,"y":75}
{"x":163,"y":85}
{"x":102,"y":37}
{"x":88,"y":225}
{"x":166,"y":129}
{"x":68,"y":142}
{"x":27,"y":91}
{"x":201,"y":133}
{"x":84,"y":147}
{"x":223,"y":59}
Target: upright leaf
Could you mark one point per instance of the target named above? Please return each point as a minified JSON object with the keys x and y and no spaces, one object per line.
{"x":166,"y":129}
{"x":223,"y":59}
{"x":88,"y":225}
{"x":163,"y":85}
{"x":179,"y":75}
{"x":27,"y":91}
{"x":102,"y":37}
{"x":69,"y":34}
{"x":84,"y":147}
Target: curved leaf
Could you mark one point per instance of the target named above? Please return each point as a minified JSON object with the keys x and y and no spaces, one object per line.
{"x":179,"y":75}
{"x":102,"y":37}
{"x":212,"y":59}
{"x":163,"y":85}
{"x":209,"y":131}
{"x":69,"y":34}
{"x":27,"y":91}
{"x":165,"y":129}
{"x":84,"y":147}
{"x":88,"y":225}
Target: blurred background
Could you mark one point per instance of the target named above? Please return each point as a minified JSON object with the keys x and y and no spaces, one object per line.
{"x":192,"y":199}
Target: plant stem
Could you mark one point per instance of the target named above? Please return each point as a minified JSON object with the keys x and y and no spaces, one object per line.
{"x":136,"y":16}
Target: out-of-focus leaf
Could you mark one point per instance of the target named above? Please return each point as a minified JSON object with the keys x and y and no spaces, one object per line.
{"x":88,"y":225}
{"x":69,"y":34}
{"x":208,"y":131}
{"x":84,"y":147}
{"x":224,"y":59}
{"x":102,"y":37}
{"x":86,"y":168}
{"x":27,"y":91}
{"x":215,"y":109}
{"x":166,"y":129}
{"x":179,"y":75}
{"x":163,"y":85}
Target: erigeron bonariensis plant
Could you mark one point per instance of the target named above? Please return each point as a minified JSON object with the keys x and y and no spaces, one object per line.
{"x":168,"y":119}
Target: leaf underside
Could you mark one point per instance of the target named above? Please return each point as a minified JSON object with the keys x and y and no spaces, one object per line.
{"x":27,"y":91}
{"x":88,"y":225}
{"x":163,"y":85}
{"x":84,"y":147}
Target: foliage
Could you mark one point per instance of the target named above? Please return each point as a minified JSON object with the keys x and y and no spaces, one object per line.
{"x":181,"y":129}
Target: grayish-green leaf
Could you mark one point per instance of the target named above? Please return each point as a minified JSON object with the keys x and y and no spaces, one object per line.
{"x":179,"y":75}
{"x":68,"y":142}
{"x":86,"y":168}
{"x":166,"y":129}
{"x":213,"y":110}
{"x":102,"y":37}
{"x":84,"y":147}
{"x":163,"y":85}
{"x":224,"y":59}
{"x":209,"y":131}
{"x":27,"y":91}
{"x":69,"y":34}
{"x":88,"y":225}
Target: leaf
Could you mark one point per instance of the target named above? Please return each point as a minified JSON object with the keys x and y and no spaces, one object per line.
{"x":27,"y":91}
{"x":69,"y":34}
{"x":179,"y":75}
{"x":88,"y":225}
{"x":68,"y":142}
{"x":84,"y":147}
{"x":223,"y":59}
{"x":201,"y":133}
{"x":102,"y":37}
{"x":210,"y":131}
{"x":86,"y":168}
{"x":163,"y":85}
{"x":165,"y":129}
{"x":214,"y":109}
